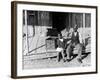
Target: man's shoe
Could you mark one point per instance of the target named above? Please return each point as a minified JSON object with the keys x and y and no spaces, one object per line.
{"x":68,"y":60}
{"x":80,"y":60}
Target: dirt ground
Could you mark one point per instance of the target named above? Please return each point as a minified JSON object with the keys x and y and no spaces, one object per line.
{"x":53,"y":63}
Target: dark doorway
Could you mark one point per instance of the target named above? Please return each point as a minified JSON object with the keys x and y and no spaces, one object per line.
{"x":60,"y":20}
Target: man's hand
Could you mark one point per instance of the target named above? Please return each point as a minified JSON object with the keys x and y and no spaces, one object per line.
{"x":68,"y":42}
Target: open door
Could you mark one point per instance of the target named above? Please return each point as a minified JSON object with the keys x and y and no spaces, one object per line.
{"x":60,"y":20}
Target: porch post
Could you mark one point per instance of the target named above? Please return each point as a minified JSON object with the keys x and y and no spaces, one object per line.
{"x":27,"y":49}
{"x":83,"y":27}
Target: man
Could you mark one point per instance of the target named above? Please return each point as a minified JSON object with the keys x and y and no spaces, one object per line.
{"x":60,"y":48}
{"x":76,"y":41}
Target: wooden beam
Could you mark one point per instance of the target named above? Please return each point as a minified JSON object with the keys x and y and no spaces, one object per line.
{"x":26,"y":26}
{"x":84,"y":27}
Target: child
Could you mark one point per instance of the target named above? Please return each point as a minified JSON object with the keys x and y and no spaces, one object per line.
{"x":60,"y":48}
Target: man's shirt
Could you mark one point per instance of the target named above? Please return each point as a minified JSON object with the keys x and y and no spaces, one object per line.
{"x":75,"y":34}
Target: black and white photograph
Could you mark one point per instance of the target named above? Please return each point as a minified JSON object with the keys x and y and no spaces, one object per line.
{"x":55,"y":39}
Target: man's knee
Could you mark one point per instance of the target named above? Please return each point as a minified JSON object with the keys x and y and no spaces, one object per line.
{"x":79,"y":46}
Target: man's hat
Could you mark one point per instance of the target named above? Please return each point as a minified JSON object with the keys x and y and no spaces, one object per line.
{"x":75,"y":27}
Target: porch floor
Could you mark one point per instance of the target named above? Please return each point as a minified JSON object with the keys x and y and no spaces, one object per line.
{"x":52,"y":63}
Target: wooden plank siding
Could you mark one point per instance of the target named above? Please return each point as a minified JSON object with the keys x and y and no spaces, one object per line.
{"x":44,"y":18}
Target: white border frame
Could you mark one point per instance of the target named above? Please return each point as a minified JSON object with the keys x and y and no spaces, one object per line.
{"x":50,"y":71}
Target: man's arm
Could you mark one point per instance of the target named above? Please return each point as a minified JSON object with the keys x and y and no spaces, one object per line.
{"x":68,"y":39}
